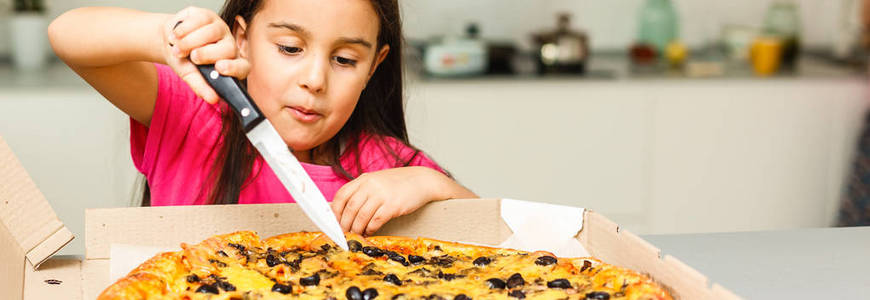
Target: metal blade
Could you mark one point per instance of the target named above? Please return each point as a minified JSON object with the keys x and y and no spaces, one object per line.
{"x":290,"y":172}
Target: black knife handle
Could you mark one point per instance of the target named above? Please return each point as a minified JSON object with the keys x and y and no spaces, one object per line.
{"x":232,"y":92}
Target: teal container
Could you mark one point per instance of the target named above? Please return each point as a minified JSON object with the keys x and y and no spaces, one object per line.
{"x":658,"y":24}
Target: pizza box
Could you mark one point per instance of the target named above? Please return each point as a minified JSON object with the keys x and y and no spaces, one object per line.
{"x":31,"y":233}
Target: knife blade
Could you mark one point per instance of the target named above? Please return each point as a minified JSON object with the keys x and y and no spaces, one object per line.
{"x":275,"y":152}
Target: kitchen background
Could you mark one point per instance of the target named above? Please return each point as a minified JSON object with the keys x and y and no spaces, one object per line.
{"x":681,"y":137}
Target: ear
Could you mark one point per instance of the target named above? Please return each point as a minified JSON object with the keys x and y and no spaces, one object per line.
{"x":382,"y":54}
{"x":240,"y":34}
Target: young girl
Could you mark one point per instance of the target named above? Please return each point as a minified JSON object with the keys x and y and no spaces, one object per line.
{"x":326,"y":73}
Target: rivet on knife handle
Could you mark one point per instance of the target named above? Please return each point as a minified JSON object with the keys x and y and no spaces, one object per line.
{"x":232,"y":92}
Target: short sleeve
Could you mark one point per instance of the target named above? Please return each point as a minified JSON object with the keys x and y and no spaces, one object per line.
{"x":178,"y":116}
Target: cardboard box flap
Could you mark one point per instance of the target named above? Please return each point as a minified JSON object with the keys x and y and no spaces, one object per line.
{"x":25,"y":214}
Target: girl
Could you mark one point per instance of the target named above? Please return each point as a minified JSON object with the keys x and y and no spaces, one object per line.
{"x":326,"y":73}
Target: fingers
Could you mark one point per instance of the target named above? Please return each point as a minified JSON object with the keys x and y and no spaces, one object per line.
{"x":342,"y":196}
{"x":237,"y":68}
{"x":190,"y":74}
{"x":348,"y":215}
{"x":208,"y":34}
{"x":364,"y":215}
{"x":381,"y":216}
{"x":188,"y":20}
{"x":210,"y":53}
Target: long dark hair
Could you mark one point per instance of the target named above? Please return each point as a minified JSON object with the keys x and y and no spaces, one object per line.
{"x":378,"y":114}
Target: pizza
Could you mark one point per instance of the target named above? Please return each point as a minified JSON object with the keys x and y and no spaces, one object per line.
{"x":308,"y":265}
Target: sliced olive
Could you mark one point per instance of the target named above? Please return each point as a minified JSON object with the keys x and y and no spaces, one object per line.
{"x":192,"y":278}
{"x":226,"y":286}
{"x":353,"y":293}
{"x":239,"y":247}
{"x":207,"y":289}
{"x":370,"y":294}
{"x":461,"y":297}
{"x":446,"y":276}
{"x":414,"y":259}
{"x":372,"y":251}
{"x":435,"y":297}
{"x":495,"y":283}
{"x":282,"y":288}
{"x":398,"y":297}
{"x":392,"y":278}
{"x":354,"y":246}
{"x":517,"y":294}
{"x":482,"y":261}
{"x":272,"y":261}
{"x":515,"y":281}
{"x":218,"y":263}
{"x":545,"y":260}
{"x":310,"y":280}
{"x":397,"y":258}
{"x":586,"y":265}
{"x":598,"y":296}
{"x":559,"y":284}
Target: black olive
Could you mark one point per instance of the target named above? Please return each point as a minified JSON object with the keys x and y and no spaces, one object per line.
{"x":545,"y":260}
{"x":598,"y":296}
{"x":398,"y":296}
{"x":221,"y":253}
{"x":397,"y":258}
{"x":353,"y":293}
{"x":241,"y":248}
{"x":559,"y":284}
{"x":370,"y":294}
{"x":226,"y":286}
{"x":392,"y":278}
{"x":446,"y":276}
{"x":517,"y":294}
{"x":272,"y":261}
{"x":310,"y":280}
{"x":586,"y":265}
{"x":435,"y":297}
{"x":414,"y":259}
{"x":218,"y":263}
{"x":192,"y":278}
{"x":282,"y":288}
{"x":461,"y":297}
{"x":495,"y":283}
{"x":354,"y":246}
{"x":207,"y":289}
{"x":515,"y":281}
{"x":372,"y":251}
{"x":482,"y":261}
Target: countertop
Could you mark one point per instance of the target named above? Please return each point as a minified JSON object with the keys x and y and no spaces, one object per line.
{"x":823,"y":263}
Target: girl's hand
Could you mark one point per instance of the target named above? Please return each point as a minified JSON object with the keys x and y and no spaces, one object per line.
{"x":199,"y":36}
{"x":364,"y":204}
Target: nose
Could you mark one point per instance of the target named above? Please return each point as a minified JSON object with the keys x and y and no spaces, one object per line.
{"x":314,"y":75}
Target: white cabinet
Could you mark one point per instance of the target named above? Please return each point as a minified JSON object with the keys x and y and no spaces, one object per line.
{"x":658,"y":156}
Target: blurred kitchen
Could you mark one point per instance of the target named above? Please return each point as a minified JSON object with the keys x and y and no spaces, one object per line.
{"x":668,"y":116}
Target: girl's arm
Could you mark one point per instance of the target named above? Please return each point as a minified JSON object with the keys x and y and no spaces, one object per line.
{"x":113,"y":50}
{"x":366,"y":203}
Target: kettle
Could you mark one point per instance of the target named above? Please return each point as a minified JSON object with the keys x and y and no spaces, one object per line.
{"x":562,"y":50}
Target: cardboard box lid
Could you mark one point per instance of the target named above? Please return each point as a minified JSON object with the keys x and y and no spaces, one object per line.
{"x":26,"y":218}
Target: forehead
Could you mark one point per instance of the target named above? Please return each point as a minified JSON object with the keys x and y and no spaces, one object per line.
{"x":323,"y":18}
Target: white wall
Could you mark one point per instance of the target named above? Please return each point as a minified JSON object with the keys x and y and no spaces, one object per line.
{"x":611,"y":24}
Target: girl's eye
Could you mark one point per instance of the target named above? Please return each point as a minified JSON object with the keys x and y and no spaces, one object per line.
{"x":289,"y":49}
{"x":345,"y":61}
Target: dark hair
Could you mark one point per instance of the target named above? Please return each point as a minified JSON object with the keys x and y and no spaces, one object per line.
{"x":379,"y":114}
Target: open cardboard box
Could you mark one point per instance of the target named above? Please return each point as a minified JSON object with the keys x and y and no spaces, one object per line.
{"x":31,"y":233}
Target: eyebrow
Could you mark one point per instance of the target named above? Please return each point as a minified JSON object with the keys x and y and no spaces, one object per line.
{"x":302,"y":31}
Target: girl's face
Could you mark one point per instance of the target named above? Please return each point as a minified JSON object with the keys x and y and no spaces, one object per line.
{"x":310,"y":60}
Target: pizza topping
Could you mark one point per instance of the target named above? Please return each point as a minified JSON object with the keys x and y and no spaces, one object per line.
{"x":448,"y":276}
{"x":545,"y":260}
{"x":372,"y":251}
{"x":598,"y":296}
{"x":586,"y":265}
{"x":354,"y":245}
{"x":239,"y":247}
{"x":394,"y":256}
{"x":461,"y":297}
{"x":392,"y":278}
{"x":495,"y":283}
{"x":310,"y":280}
{"x":192,"y":278}
{"x":515,"y":281}
{"x":272,"y":261}
{"x":370,"y":294}
{"x":482,"y":261}
{"x":416,"y":260}
{"x":353,"y":293}
{"x":517,"y":294}
{"x":422,"y":272}
{"x":442,"y":261}
{"x":207,"y":289}
{"x":559,"y":284}
{"x":282,"y":288}
{"x":222,"y":253}
{"x":226,"y":286}
{"x":369,"y":269}
{"x":435,"y":297}
{"x":218,"y":263}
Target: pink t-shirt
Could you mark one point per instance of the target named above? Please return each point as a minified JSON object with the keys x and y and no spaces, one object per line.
{"x":175,"y":153}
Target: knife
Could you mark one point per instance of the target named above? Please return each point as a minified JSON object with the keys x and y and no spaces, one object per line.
{"x":265,"y":138}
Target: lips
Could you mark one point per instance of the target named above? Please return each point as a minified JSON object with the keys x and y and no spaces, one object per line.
{"x":303,"y":114}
